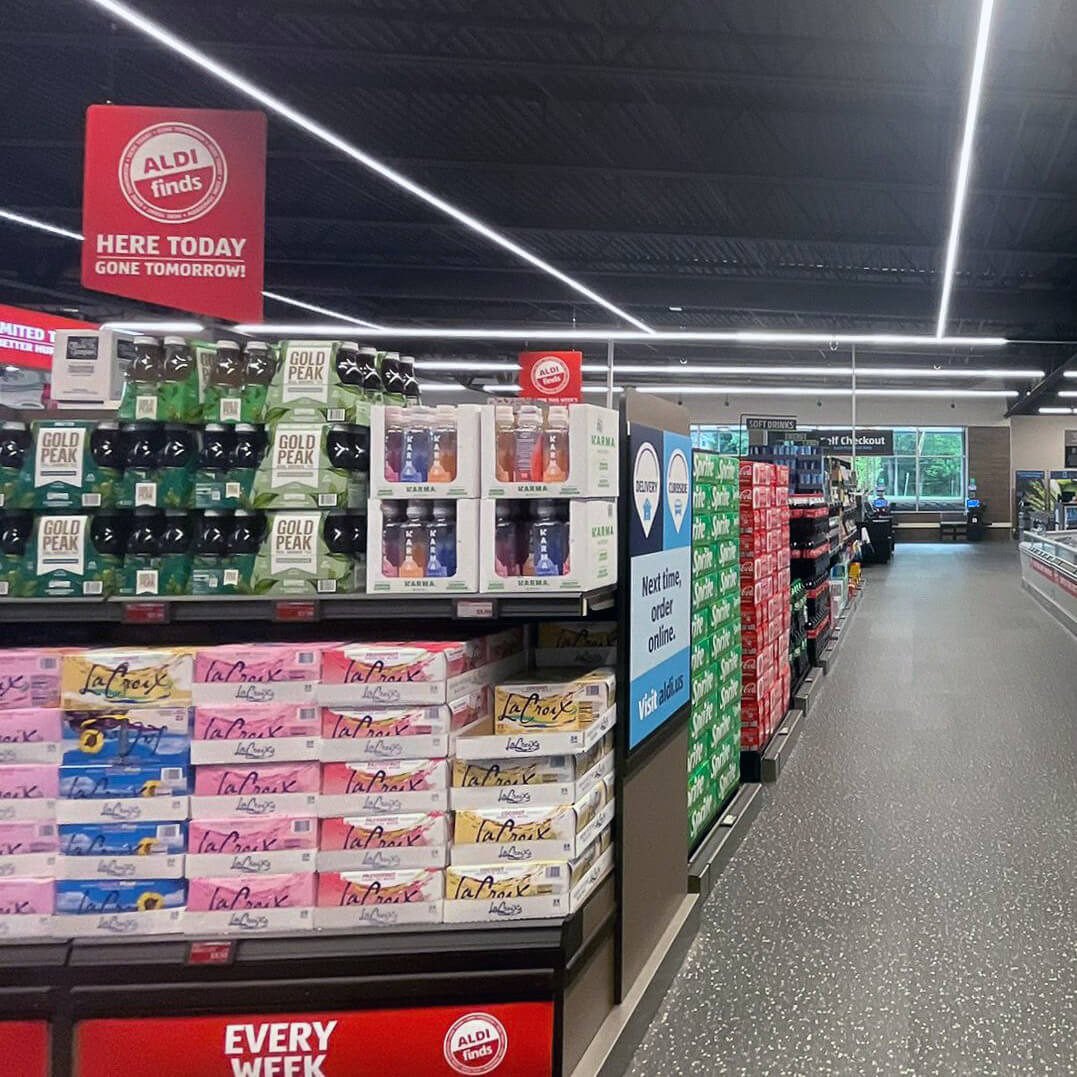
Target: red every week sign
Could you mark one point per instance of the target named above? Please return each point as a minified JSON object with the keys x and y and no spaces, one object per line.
{"x":510,"y":1040}
{"x":174,"y":208}
{"x":27,"y":336}
{"x":24,"y":1047}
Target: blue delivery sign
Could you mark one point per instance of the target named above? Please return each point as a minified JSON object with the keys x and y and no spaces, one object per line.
{"x":659,"y":537}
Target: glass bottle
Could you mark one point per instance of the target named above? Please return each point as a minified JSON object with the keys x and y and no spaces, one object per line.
{"x":392,"y":526}
{"x":506,"y":540}
{"x":410,"y":382}
{"x":15,"y":531}
{"x":555,"y":446}
{"x":415,"y":541}
{"x":106,"y":446}
{"x":338,"y":532}
{"x":348,"y":364}
{"x":545,"y":553}
{"x":108,"y":532}
{"x":505,"y":438}
{"x":394,"y":443}
{"x":14,"y":441}
{"x":527,"y":459}
{"x":248,"y":447}
{"x":217,"y":443}
{"x":340,"y":447}
{"x":259,"y":366}
{"x":142,"y":443}
{"x":224,"y":390}
{"x":392,"y":379}
{"x":178,"y":390}
{"x":443,"y":445}
{"x":144,"y":538}
{"x":415,"y":460}
{"x":441,"y":561}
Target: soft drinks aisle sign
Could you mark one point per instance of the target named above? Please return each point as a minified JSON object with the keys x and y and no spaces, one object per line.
{"x":509,"y":1040}
{"x":659,"y":547}
{"x":24,"y":1047}
{"x":556,"y":377}
{"x":174,"y":208}
{"x":27,"y":336}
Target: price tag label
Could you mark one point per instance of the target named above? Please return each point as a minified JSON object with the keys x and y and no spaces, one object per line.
{"x":475,"y":608}
{"x":210,"y":953}
{"x":145,"y":613}
{"x":296,"y":610}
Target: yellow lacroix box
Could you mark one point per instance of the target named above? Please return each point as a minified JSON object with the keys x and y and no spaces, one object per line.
{"x":599,"y":692}
{"x":544,"y":706}
{"x":505,"y":881}
{"x":478,"y":826}
{"x":100,"y":680}
{"x":488,"y":773}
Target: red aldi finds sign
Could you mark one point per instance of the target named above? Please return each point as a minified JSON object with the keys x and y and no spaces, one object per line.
{"x":174,"y":208}
{"x":505,"y":1040}
{"x":556,"y":377}
{"x":24,"y":1047}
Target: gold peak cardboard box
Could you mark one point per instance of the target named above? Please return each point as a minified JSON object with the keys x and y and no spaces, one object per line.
{"x":295,"y":559}
{"x":296,"y":472}
{"x":67,"y":465}
{"x":306,"y":385}
{"x":65,"y":557}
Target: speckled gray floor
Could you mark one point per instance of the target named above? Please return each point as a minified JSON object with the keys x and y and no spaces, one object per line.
{"x":906,"y":901}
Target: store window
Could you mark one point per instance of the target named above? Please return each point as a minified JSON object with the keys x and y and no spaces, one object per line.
{"x":926,"y":471}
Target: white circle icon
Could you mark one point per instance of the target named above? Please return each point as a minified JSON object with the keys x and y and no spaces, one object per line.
{"x":476,"y":1044}
{"x":678,"y":487}
{"x":647,"y":486}
{"x":173,"y":172}
{"x":550,"y":375}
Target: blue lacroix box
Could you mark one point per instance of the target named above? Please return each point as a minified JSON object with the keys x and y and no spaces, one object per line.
{"x":106,"y":783}
{"x":122,"y":839}
{"x":92,"y":897}
{"x":135,"y":735}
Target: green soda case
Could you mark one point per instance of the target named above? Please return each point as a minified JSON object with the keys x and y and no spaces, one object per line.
{"x":70,"y":465}
{"x":701,"y":654}
{"x":726,"y":723}
{"x":702,"y":624}
{"x":294,"y":559}
{"x":703,"y":714}
{"x":698,"y":752}
{"x":701,"y":528}
{"x":726,"y":609}
{"x":725,"y":639}
{"x":64,"y":557}
{"x":704,"y":683}
{"x":306,"y":386}
{"x":723,"y":497}
{"x":704,"y":589}
{"x":725,"y":752}
{"x":704,"y":467}
{"x":726,"y":780}
{"x":701,"y":497}
{"x":728,"y":470}
{"x":729,"y":665}
{"x":703,"y":560}
{"x":727,"y":552}
{"x":702,"y":807}
{"x":296,"y":471}
{"x":722,"y":525}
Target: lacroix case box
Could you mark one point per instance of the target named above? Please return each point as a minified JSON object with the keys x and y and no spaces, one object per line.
{"x":96,"y":897}
{"x":270,"y":779}
{"x":391,"y":787}
{"x":120,"y":782}
{"x":271,"y":845}
{"x":249,"y":721}
{"x":127,"y":735}
{"x":242,"y":893}
{"x":478,"y":826}
{"x":27,"y":897}
{"x":385,"y":733}
{"x":383,"y":842}
{"x":28,"y":839}
{"x":30,"y":735}
{"x":385,"y":673}
{"x":529,"y":705}
{"x":100,"y":680}
{"x":28,"y":782}
{"x":379,"y":888}
{"x":29,"y":678}
{"x":505,"y":881}
{"x":492,"y":773}
{"x":123,"y":839}
{"x":257,"y":673}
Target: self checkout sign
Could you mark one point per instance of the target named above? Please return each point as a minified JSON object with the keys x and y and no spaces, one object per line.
{"x":555,"y":377}
{"x":174,"y":208}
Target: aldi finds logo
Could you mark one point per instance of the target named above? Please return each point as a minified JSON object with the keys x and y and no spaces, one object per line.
{"x":476,"y":1044}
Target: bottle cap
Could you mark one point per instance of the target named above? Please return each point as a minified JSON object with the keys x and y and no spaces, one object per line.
{"x":217,"y":344}
{"x":503,"y":413}
{"x":368,"y":351}
{"x":531,"y":412}
{"x":146,"y":340}
{"x":260,"y":345}
{"x":175,"y":340}
{"x":558,"y":412}
{"x":348,"y":345}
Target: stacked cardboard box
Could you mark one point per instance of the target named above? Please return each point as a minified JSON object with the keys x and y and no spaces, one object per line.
{"x":764,"y":600}
{"x":714,"y":733}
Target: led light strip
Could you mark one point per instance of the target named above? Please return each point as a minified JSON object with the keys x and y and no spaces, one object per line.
{"x":1058,"y":411}
{"x":323,"y":134}
{"x":688,"y":369}
{"x":162,"y":327}
{"x":964,"y":167}
{"x":405,"y":332}
{"x":788,"y":390}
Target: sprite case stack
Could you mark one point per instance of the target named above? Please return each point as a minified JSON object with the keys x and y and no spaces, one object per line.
{"x":714,"y":730}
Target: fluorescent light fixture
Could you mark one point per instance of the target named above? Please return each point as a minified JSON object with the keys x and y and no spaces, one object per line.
{"x":679,"y":336}
{"x":1056,"y":411}
{"x":1067,"y":393}
{"x":442,"y":387}
{"x":319,"y":310}
{"x":693,"y":369}
{"x":42,"y":226}
{"x":964,"y":165}
{"x":1070,"y":374}
{"x":323,"y":134}
{"x":477,"y":365}
{"x":787,"y":390}
{"x":155,"y":327}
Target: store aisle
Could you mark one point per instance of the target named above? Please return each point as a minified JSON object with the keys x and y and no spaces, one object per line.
{"x":906,"y":902}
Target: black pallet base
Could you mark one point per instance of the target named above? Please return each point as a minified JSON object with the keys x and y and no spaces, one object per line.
{"x":766,"y":765}
{"x":718,"y":846}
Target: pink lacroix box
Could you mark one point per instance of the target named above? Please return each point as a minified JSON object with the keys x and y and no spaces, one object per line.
{"x":388,"y":673}
{"x":382,"y":733}
{"x":379,"y":888}
{"x":258,"y":673}
{"x":388,"y":787}
{"x":292,"y":891}
{"x":27,"y":897}
{"x":29,"y":782}
{"x":272,"y":845}
{"x":30,"y":678}
{"x":502,"y":645}
{"x":384,"y":842}
{"x":28,"y":839}
{"x":242,"y":721}
{"x":274,"y":834}
{"x":31,"y":735}
{"x":268,"y":779}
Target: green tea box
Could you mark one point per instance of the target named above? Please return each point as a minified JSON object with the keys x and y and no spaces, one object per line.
{"x":311,"y":465}
{"x":295,"y":559}
{"x":61,"y":556}
{"x":306,"y":385}
{"x":158,"y":557}
{"x":68,"y":465}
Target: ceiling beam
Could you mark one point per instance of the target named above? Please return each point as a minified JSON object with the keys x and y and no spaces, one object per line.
{"x":1029,"y":403}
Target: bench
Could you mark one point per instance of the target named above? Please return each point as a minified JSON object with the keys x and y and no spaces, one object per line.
{"x":954,"y":524}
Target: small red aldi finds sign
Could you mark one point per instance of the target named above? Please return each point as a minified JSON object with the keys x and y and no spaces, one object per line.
{"x":504,"y":1040}
{"x":174,"y":208}
{"x":556,"y":377}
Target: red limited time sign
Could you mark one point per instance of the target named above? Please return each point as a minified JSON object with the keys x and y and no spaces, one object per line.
{"x":505,"y":1040}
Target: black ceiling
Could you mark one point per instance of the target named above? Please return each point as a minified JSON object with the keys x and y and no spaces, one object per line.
{"x":787,"y":162}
